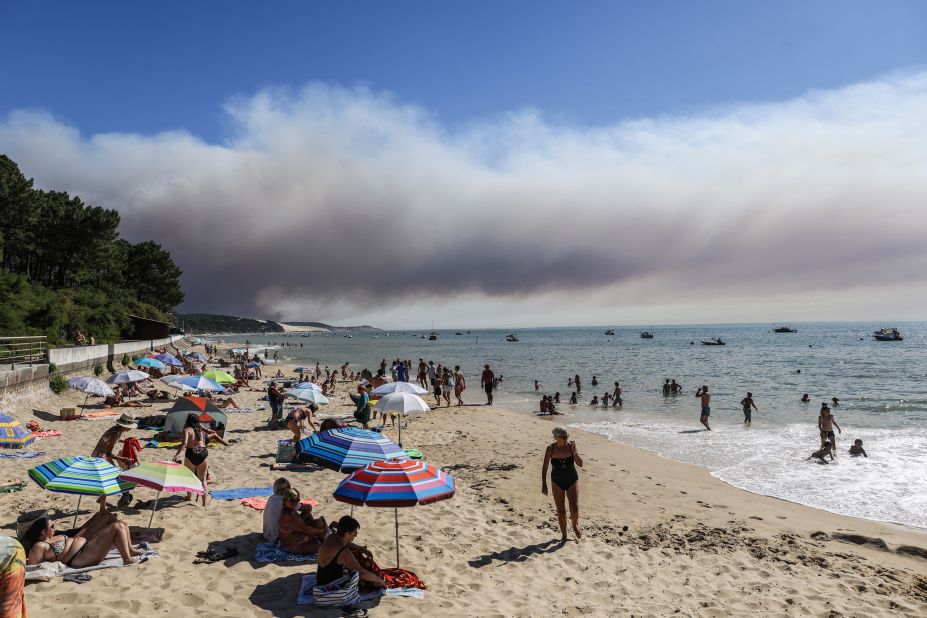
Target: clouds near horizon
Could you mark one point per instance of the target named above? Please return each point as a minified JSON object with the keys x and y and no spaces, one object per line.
{"x":328,"y":202}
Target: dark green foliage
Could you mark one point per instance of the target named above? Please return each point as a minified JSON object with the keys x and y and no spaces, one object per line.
{"x":64,"y":269}
{"x":209,"y":323}
{"x":52,"y":368}
{"x":126,"y":360}
{"x":98,"y":370}
{"x":58,"y":384}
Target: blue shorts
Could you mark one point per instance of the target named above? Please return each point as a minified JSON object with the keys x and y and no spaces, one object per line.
{"x":706,"y":411}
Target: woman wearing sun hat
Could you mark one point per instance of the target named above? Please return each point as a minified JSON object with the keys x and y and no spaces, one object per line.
{"x":107,"y":444}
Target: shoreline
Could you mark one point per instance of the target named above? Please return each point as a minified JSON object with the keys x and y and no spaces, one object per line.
{"x":693,"y":544}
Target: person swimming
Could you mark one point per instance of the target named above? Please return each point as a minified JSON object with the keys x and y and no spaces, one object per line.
{"x":825,"y":451}
{"x":805,"y":398}
{"x":857,"y":449}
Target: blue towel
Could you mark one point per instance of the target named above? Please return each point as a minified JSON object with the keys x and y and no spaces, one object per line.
{"x":241,"y":492}
{"x":271,"y":552}
{"x":21,"y":455}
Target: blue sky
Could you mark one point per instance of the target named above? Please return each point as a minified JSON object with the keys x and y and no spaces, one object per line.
{"x":147,"y":67}
{"x":493,"y":163}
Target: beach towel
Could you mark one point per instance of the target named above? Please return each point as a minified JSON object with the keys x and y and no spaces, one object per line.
{"x":239,"y":410}
{"x":271,"y":552}
{"x":11,"y":487}
{"x":138,"y":534}
{"x":95,"y":416}
{"x":12,"y":578}
{"x":21,"y":455}
{"x":308,"y":583}
{"x":241,"y":492}
{"x":51,"y":433}
{"x":130,"y":450}
{"x":46,"y":571}
{"x":259,"y":504}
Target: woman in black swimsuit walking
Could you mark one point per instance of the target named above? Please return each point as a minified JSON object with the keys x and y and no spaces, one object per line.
{"x":196,"y":455}
{"x":562,"y":458}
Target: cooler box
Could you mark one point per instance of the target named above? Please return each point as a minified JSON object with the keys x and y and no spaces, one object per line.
{"x":286,"y":451}
{"x":68,"y":414}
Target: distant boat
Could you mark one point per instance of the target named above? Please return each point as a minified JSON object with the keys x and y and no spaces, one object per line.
{"x":713,"y":341}
{"x":458,"y":333}
{"x":468,"y":332}
{"x":887,"y":334}
{"x":349,"y":336}
{"x":512,"y":337}
{"x":785,"y":329}
{"x":646,"y":335}
{"x":609,"y":332}
{"x":433,"y":336}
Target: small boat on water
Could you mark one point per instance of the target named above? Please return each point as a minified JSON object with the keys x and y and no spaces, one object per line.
{"x":458,"y":334}
{"x":887,"y":334}
{"x":785,"y":329}
{"x":609,"y":332}
{"x":646,"y":335}
{"x":349,"y":336}
{"x":512,"y":337}
{"x":433,"y":336}
{"x":713,"y":341}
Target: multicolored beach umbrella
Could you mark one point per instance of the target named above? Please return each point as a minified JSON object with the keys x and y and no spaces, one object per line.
{"x":170,"y":359}
{"x":198,"y":383}
{"x":396,"y":484}
{"x":14,"y":434}
{"x":84,"y":476}
{"x":163,"y":476}
{"x":348,"y":448}
{"x":218,"y":376}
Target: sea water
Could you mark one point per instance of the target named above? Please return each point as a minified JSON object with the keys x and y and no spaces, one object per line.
{"x":882,"y":388}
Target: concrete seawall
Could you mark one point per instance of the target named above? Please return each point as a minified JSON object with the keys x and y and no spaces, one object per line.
{"x":73,"y":359}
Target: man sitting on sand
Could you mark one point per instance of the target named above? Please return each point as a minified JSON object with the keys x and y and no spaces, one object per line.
{"x":857,"y":449}
{"x":821,"y":454}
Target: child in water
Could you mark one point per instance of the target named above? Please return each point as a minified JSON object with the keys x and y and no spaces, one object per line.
{"x":573,"y":399}
{"x":857,"y":449}
{"x":595,"y":400}
{"x":825,"y":451}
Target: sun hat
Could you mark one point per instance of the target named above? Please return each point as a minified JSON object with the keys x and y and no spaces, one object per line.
{"x":126,"y":420}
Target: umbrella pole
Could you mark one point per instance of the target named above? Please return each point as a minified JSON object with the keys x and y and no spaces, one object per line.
{"x":352,"y":510}
{"x":396,"y":515}
{"x":400,"y":436}
{"x":153,"y":509}
{"x":74,"y":525}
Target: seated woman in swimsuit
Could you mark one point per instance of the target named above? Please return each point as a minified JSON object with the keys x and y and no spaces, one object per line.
{"x":334,"y":562}
{"x":297,"y":531}
{"x":562,"y":457}
{"x":88,"y":547}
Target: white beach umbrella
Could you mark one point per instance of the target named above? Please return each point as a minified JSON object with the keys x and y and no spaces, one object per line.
{"x":309,"y":395}
{"x":399,"y":387}
{"x":127,"y":377}
{"x":402,"y":404}
{"x":171,"y":381}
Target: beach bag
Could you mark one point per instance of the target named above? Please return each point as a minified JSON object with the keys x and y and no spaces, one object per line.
{"x":342,"y":592}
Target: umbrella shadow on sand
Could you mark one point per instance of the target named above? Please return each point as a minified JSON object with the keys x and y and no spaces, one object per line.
{"x":516,"y":554}
{"x":279,"y":596}
{"x":46,"y":416}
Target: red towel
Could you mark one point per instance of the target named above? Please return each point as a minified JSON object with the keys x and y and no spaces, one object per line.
{"x":130,"y":450}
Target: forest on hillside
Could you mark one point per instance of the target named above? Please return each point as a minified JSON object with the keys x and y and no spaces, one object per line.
{"x":64,"y":269}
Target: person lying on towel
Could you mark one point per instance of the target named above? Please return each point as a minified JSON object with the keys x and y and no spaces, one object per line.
{"x":87,"y":547}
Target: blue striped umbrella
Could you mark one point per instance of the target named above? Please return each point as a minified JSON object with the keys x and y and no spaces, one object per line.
{"x":396,"y":483}
{"x":348,"y":448}
{"x":84,"y":476}
{"x":149,"y":362}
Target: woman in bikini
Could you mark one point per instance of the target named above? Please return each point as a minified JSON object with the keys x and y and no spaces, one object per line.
{"x":294,"y":422}
{"x":196,"y":456}
{"x":562,"y":458}
{"x":298,"y":533}
{"x":86,"y":548}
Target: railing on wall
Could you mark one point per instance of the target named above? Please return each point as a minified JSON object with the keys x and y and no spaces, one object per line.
{"x":23,"y":350}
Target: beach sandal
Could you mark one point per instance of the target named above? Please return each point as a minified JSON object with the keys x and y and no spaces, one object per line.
{"x":125,"y":500}
{"x":77,"y":578}
{"x":211,"y":555}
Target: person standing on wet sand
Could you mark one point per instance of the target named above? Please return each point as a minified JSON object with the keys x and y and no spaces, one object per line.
{"x":705,"y":398}
{"x":747,"y":403}
{"x":487,"y":380}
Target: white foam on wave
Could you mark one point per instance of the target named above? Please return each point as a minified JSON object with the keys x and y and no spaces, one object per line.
{"x":889,"y":485}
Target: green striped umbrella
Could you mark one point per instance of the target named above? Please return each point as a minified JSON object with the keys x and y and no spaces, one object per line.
{"x":84,"y":476}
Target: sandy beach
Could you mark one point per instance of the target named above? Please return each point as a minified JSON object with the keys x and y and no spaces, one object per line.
{"x":659,"y":538}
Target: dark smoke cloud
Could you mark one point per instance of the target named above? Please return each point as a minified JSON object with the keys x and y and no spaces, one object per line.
{"x":333,"y":202}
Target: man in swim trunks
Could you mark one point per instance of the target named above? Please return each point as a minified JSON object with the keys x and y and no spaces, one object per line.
{"x":747,"y":403}
{"x":826,"y":423}
{"x":487,"y":380}
{"x":675,"y":388}
{"x":667,"y":389}
{"x":705,"y":398}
